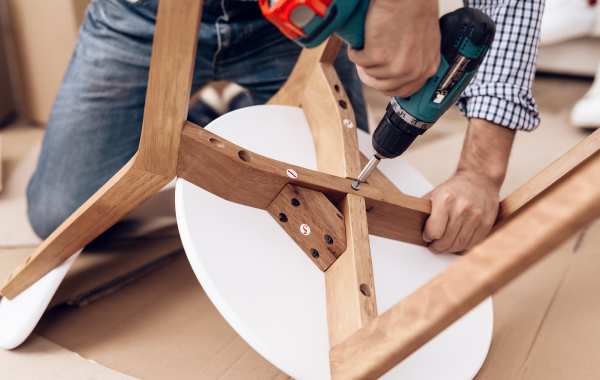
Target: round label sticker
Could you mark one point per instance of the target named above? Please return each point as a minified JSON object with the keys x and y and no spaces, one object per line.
{"x":292,"y":173}
{"x":305,"y":229}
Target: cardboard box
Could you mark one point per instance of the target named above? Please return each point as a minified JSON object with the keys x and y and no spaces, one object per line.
{"x":44,"y":34}
{"x":7,"y":104}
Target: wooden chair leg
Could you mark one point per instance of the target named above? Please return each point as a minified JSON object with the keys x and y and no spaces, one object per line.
{"x":155,"y":164}
{"x":120,"y":195}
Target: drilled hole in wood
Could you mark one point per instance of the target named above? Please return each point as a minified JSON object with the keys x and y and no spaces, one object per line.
{"x":216,"y":142}
{"x":283,"y":218}
{"x":314,"y":253}
{"x":328,"y":239}
{"x":364,"y":289}
{"x":295,"y":202}
{"x":244,"y":156}
{"x":343,"y":104}
{"x":336,"y":88}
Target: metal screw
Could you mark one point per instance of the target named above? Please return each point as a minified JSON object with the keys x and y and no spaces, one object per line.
{"x":283,"y":218}
{"x":348,"y":123}
{"x":295,"y":202}
{"x":328,"y":239}
{"x":314,"y":253}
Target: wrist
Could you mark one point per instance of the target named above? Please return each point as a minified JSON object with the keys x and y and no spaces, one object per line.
{"x":485,"y":154}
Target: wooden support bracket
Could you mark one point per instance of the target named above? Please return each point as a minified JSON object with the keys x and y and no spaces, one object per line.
{"x":312,"y":221}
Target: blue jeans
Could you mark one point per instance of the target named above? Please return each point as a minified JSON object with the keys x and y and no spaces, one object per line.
{"x":95,"y":125}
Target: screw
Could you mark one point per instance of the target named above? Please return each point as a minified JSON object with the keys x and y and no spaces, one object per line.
{"x":328,"y":239}
{"x":295,"y":202}
{"x":314,"y":253}
{"x":283,"y":218}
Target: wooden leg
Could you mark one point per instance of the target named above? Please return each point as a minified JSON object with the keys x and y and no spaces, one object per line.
{"x":167,"y":98}
{"x":351,"y":300}
{"x":550,"y":219}
{"x":125,"y":191}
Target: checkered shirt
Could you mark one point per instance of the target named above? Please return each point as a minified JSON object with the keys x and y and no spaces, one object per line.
{"x":502,"y":89}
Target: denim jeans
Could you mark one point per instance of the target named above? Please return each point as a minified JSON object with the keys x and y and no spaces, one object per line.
{"x":95,"y":125}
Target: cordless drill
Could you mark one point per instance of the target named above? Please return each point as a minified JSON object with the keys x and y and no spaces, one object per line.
{"x":466,"y":36}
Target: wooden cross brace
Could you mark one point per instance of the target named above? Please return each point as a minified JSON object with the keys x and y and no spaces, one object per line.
{"x":543,"y":213}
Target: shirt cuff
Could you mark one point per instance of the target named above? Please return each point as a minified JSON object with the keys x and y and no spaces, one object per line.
{"x":522,"y":116}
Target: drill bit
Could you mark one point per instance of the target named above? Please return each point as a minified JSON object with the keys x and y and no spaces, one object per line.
{"x":366,"y":172}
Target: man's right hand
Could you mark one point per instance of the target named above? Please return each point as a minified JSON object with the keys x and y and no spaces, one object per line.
{"x":402,"y":46}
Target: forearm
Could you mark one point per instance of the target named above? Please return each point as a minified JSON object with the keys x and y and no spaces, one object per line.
{"x":486,"y":151}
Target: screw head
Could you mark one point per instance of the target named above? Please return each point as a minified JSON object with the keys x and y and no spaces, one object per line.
{"x":314,"y":253}
{"x":328,"y":239}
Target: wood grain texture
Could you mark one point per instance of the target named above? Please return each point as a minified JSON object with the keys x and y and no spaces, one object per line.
{"x":550,"y":219}
{"x":121,"y":194}
{"x":539,"y":183}
{"x":312,"y":221}
{"x":331,"y":119}
{"x":169,"y":85}
{"x":244,"y":177}
{"x":351,"y":298}
{"x":292,"y":92}
{"x":153,"y":166}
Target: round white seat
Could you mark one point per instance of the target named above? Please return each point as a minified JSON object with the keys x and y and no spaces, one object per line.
{"x":274,"y":296}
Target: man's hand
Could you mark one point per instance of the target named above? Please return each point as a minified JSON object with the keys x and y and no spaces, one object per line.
{"x":402,"y":46}
{"x":465,"y":207}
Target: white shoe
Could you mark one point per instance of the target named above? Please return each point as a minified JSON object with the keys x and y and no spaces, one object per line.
{"x":567,"y":19}
{"x":586,"y":113}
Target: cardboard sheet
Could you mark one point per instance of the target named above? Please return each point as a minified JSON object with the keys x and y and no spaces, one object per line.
{"x":51,"y":362}
{"x":157,"y":327}
{"x":15,"y":229}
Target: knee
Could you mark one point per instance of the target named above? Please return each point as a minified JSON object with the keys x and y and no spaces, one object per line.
{"x":47,"y":210}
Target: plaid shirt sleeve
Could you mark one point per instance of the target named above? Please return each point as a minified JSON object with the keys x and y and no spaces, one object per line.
{"x":502,"y":89}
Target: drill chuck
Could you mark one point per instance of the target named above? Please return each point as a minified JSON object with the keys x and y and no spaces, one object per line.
{"x":396,"y":131}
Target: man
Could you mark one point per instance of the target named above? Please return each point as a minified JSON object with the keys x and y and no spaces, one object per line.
{"x":95,"y":125}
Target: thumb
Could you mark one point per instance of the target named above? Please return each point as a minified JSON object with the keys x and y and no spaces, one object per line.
{"x":436,"y":224}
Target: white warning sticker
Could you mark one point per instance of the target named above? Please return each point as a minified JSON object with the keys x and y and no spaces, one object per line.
{"x":292,"y":173}
{"x":305,"y":229}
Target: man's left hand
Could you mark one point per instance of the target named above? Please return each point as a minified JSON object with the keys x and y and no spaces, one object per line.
{"x":465,"y":207}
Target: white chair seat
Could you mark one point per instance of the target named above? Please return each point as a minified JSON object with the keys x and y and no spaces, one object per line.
{"x":270,"y":292}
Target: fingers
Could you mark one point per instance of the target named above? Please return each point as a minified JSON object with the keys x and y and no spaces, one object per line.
{"x":482,"y":232}
{"x":400,"y":81}
{"x":435,"y":226}
{"x":392,"y":86}
{"x":454,"y":225}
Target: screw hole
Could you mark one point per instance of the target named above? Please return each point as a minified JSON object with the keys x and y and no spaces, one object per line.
{"x":216,"y":142}
{"x":295,"y":202}
{"x":328,"y":239}
{"x":364,"y":289}
{"x":283,"y":218}
{"x":314,"y":253}
{"x":244,"y":156}
{"x":336,"y":88}
{"x":343,"y":104}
